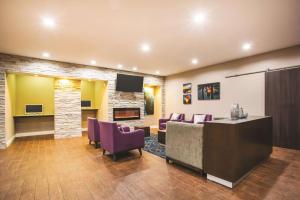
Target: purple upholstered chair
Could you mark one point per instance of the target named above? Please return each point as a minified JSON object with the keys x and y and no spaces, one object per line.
{"x":208,"y":117}
{"x":93,"y":131}
{"x":163,"y":122}
{"x":114,"y":141}
{"x":123,"y":128}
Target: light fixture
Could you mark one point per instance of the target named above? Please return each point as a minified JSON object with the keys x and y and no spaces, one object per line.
{"x":46,"y":54}
{"x":64,"y":82}
{"x":247,"y":46}
{"x":134,"y":68}
{"x":157,"y":72}
{"x":199,"y":18}
{"x":194,"y":61}
{"x":48,"y":22}
{"x":145,"y":47}
{"x":120,"y":66}
{"x":93,"y":62}
{"x":36,"y":75}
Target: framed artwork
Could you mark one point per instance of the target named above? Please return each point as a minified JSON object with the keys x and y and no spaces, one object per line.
{"x":209,"y":91}
{"x":149,"y":101}
{"x":187,"y":93}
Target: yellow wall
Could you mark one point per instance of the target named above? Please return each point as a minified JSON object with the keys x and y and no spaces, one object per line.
{"x":34,"y":90}
{"x":101,"y":100}
{"x":152,"y":120}
{"x":157,"y":104}
{"x":88,"y":91}
{"x":94,"y":91}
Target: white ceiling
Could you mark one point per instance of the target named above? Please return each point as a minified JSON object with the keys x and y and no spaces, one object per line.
{"x":111,"y":32}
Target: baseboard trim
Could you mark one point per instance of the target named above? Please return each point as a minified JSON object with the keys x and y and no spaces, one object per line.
{"x":228,"y":183}
{"x":36,"y":133}
{"x":8,"y":143}
{"x":220,"y":181}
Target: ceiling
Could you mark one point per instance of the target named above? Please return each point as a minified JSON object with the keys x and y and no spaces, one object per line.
{"x":111,"y":32}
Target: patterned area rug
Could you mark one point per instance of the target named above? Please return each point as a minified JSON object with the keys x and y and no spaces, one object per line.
{"x":152,"y":146}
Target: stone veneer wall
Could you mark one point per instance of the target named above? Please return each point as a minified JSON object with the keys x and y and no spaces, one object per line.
{"x":2,"y":110}
{"x":20,"y":64}
{"x":67,"y":107}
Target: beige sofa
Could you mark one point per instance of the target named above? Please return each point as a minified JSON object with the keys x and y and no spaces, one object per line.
{"x":184,"y":144}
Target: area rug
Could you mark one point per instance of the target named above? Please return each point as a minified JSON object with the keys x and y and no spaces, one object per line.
{"x":154,"y":147}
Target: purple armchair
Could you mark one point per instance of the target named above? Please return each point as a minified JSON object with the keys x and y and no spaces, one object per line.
{"x":114,"y":141}
{"x":208,"y":117}
{"x":163,"y":122}
{"x":93,"y":131}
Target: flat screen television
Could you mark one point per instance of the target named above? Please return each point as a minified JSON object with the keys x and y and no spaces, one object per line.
{"x":86,"y":103}
{"x":33,"y":109}
{"x":129,"y":83}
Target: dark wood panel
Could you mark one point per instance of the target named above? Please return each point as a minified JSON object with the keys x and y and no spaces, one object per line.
{"x":230,"y":150}
{"x":282,"y":101}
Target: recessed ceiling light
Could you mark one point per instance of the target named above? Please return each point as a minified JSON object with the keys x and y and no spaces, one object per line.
{"x":199,"y":18}
{"x":194,"y":61}
{"x":120,"y":66}
{"x":145,"y":47}
{"x":93,"y":62}
{"x":48,"y":21}
{"x":157,"y":72}
{"x":247,"y":46}
{"x":46,"y":55}
{"x":134,"y":68}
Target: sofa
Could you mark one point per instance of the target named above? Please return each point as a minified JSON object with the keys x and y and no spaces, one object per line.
{"x":162,"y":123}
{"x":184,"y":144}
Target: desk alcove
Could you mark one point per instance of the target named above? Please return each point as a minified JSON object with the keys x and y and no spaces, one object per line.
{"x":27,"y":125}
{"x":27,"y":89}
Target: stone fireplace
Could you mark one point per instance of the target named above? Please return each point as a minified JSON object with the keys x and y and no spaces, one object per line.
{"x":122,"y":114}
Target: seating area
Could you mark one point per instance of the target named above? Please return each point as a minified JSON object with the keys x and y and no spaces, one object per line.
{"x":150,"y":99}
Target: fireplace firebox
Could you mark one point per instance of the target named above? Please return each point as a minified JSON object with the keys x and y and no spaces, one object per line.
{"x":121,"y":114}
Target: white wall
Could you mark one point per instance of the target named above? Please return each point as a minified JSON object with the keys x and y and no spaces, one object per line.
{"x":246,"y":90}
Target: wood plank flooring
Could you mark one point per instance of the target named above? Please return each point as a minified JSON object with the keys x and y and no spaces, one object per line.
{"x":43,"y":168}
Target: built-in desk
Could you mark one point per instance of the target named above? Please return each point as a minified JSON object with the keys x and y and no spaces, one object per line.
{"x":85,"y":113}
{"x":30,"y":125}
{"x":232,"y":149}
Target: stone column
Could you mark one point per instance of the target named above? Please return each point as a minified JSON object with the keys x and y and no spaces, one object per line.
{"x":67,"y":105}
{"x":2,"y":110}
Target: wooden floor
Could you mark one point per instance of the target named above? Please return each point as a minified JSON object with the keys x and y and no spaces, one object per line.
{"x":43,"y":168}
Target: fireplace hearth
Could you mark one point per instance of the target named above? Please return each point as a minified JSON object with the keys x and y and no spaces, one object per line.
{"x":121,"y":114}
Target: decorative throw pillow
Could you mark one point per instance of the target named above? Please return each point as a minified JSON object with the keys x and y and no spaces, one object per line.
{"x":199,"y":119}
{"x":174,"y":116}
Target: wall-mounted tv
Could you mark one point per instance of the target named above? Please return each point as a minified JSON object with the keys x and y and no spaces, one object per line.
{"x":86,"y":103}
{"x":33,"y":109}
{"x":128,"y":83}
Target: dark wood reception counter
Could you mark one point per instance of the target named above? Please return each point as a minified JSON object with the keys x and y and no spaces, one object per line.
{"x":232,"y":149}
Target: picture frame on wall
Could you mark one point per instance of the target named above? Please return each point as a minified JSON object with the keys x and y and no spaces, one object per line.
{"x":209,"y":91}
{"x":187,"y":93}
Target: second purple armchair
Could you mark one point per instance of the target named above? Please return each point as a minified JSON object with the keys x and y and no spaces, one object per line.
{"x":93,"y":131}
{"x":114,"y":141}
